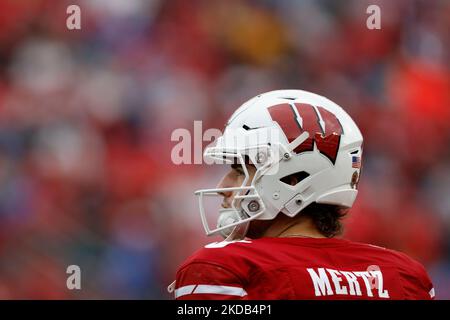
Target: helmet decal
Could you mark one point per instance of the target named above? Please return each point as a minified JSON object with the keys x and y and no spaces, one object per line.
{"x":323,"y":127}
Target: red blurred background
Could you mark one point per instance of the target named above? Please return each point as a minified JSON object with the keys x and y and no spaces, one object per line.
{"x":86,"y":118}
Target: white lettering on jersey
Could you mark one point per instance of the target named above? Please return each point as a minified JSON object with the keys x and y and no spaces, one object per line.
{"x":320,"y":282}
{"x":365,"y":275}
{"x":346,"y":282}
{"x":381,"y":293}
{"x":353,"y":283}
{"x":335,"y":277}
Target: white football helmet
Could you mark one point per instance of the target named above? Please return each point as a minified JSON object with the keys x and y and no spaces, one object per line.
{"x":282,"y":133}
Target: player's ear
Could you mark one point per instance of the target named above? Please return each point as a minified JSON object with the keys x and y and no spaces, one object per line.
{"x":293,"y":180}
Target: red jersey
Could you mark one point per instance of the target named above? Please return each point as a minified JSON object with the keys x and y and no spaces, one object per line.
{"x":300,"y":268}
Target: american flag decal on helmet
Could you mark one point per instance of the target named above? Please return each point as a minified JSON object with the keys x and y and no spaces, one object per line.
{"x":356,"y":162}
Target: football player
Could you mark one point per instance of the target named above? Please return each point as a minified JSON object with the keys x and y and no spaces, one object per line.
{"x":295,"y":162}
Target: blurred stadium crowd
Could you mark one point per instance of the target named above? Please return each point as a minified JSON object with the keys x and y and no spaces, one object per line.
{"x":86,"y":118}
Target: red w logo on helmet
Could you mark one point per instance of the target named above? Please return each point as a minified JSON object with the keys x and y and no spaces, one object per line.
{"x":323,"y":127}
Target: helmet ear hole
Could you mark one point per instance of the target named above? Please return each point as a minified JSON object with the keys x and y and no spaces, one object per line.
{"x":295,"y":178}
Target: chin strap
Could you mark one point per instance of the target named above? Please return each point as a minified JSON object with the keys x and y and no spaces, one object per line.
{"x":238,"y":233}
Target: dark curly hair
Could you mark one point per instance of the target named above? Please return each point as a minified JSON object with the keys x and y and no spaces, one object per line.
{"x":327,"y":218}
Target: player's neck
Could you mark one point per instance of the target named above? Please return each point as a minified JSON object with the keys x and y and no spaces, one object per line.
{"x":300,"y":227}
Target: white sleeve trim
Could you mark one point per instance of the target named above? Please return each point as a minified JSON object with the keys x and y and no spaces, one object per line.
{"x":184,"y":291}
{"x":210,"y":289}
